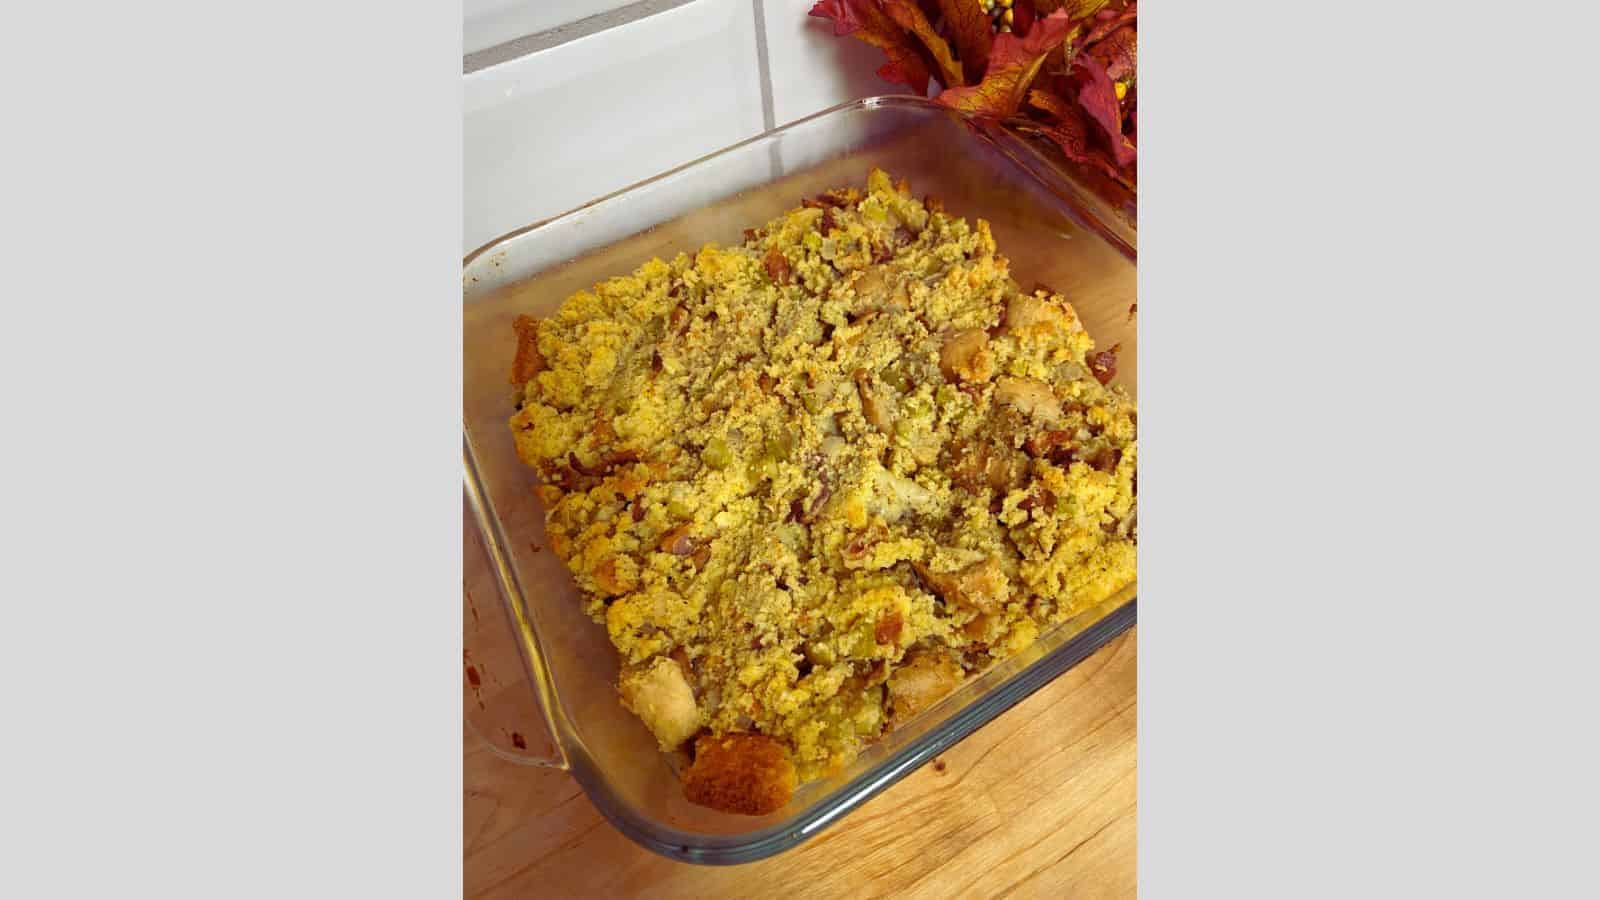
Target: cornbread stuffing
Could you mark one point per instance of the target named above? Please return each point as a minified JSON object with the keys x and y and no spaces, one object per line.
{"x":812,"y":482}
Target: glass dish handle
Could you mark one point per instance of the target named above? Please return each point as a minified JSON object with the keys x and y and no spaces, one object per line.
{"x":498,"y":703}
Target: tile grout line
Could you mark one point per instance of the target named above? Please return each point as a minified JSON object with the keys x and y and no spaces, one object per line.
{"x":768,"y":115}
{"x":562,"y":34}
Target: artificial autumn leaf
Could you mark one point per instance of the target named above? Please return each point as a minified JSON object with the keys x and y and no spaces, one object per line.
{"x":1049,"y":102}
{"x":843,"y":14}
{"x":1109,"y":20}
{"x":1071,"y":133}
{"x":908,"y":15}
{"x":1079,"y":11}
{"x":1117,"y":52}
{"x":1069,"y":130}
{"x":1022,"y":16}
{"x":1067,"y":58}
{"x":973,"y":32}
{"x":1098,"y":98}
{"x":866,"y":21}
{"x":1076,"y":9}
{"x":1012,"y":66}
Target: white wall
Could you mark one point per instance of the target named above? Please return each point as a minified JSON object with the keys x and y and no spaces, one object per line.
{"x":569,"y":100}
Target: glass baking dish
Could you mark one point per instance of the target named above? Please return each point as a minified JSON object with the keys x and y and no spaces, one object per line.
{"x":1052,"y":228}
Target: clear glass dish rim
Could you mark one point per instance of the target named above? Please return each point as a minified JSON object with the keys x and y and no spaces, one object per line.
{"x":716,"y":849}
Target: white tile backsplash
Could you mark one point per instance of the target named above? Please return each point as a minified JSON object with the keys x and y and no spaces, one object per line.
{"x":552,"y":130}
{"x":649,"y":85}
{"x":487,"y":23}
{"x":813,"y":70}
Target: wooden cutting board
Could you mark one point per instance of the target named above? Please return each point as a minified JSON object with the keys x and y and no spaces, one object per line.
{"x":1038,"y":803}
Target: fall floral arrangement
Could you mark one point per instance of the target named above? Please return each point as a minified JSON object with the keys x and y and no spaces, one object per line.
{"x":1060,"y":69}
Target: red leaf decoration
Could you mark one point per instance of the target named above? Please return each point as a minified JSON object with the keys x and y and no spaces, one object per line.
{"x":908,"y":15}
{"x":1117,"y":52}
{"x":843,"y":14}
{"x":1071,"y":133}
{"x":1076,"y":9}
{"x":866,"y":21}
{"x":1098,"y":98}
{"x":973,"y":32}
{"x":1013,"y":63}
{"x":1109,"y":20}
{"x":1066,"y":65}
{"x":1022,"y":18}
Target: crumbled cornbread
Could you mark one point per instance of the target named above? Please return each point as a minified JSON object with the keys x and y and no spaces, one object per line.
{"x":810,"y":482}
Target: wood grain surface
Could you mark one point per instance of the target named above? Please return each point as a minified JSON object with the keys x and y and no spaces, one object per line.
{"x":1041,"y":802}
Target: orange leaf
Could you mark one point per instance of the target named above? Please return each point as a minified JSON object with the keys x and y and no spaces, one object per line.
{"x":1076,"y":9}
{"x":1049,"y":102}
{"x":1012,"y":67}
{"x":866,"y":21}
{"x":973,"y":31}
{"x":908,"y":15}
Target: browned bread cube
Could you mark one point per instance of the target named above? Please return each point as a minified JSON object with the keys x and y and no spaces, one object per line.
{"x":749,"y":774}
